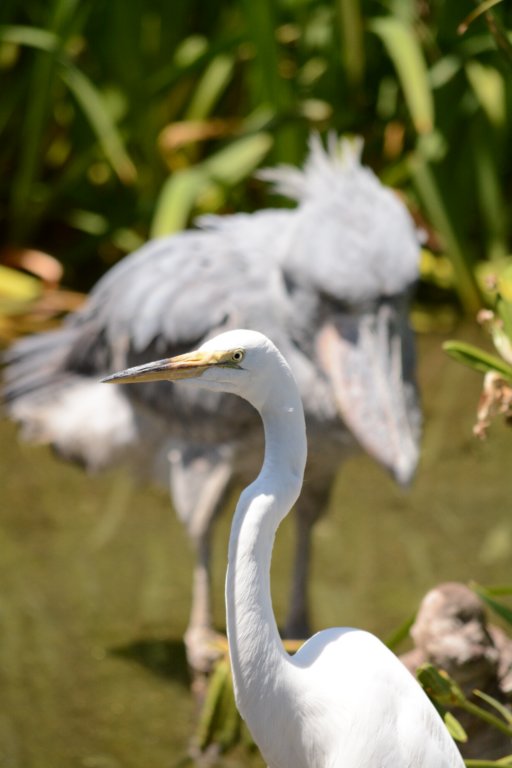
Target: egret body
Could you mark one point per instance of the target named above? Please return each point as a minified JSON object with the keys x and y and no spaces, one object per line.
{"x":344,"y":700}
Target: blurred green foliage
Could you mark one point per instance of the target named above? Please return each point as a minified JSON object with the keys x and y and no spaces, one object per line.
{"x":120,"y":120}
{"x":496,"y":396}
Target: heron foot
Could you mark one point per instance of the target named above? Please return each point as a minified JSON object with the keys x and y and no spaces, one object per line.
{"x":204,"y":647}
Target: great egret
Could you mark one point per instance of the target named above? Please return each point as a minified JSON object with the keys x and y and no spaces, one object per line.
{"x":344,"y":700}
{"x":329,"y":279}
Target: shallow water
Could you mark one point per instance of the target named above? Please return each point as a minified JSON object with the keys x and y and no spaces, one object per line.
{"x":95,"y":578}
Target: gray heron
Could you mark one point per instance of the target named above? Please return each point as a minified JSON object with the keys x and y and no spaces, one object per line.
{"x":329,"y":280}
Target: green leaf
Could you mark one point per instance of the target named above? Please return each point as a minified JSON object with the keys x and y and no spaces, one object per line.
{"x":502,"y":610}
{"x":476,"y":358}
{"x":32,"y":37}
{"x":501,"y":589}
{"x":351,"y":37}
{"x":212,"y":702}
{"x":406,"y":54}
{"x":439,"y":685}
{"x":497,"y":705}
{"x":430,"y":193}
{"x":400,"y":633}
{"x":236,"y":161}
{"x":96,"y":110}
{"x":210,"y":87}
{"x":490,"y":196}
{"x":455,"y":729}
{"x":176,"y":201}
{"x":489,"y":88}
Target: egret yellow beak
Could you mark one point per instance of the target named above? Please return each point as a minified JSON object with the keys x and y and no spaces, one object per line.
{"x":187,"y":366}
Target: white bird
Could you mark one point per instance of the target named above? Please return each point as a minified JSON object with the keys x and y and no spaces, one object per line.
{"x":344,"y":700}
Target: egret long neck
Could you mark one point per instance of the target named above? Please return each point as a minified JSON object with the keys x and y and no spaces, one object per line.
{"x":255,"y":646}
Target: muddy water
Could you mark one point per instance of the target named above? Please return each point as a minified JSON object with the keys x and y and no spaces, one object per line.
{"x":95,"y":579}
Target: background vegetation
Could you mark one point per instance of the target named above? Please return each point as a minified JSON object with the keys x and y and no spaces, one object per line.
{"x":123,"y":120}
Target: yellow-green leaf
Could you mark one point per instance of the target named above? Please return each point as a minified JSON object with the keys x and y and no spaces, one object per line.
{"x":489,"y":88}
{"x":16,"y":290}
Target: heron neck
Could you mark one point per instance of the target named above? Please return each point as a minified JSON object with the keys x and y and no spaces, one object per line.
{"x":255,"y":647}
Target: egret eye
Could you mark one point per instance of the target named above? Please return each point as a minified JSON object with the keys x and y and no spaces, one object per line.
{"x":237,"y":356}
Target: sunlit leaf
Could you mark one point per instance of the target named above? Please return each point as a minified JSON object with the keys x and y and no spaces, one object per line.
{"x":176,"y":201}
{"x":240,"y":158}
{"x":489,"y":88}
{"x":477,"y":358}
{"x":17,"y":288}
{"x":210,"y":87}
{"x":33,"y":37}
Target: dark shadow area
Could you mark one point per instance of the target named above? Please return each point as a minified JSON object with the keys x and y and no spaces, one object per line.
{"x":164,"y":658}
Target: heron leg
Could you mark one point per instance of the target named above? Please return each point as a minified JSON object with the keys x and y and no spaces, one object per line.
{"x":310,"y":507}
{"x":200,"y":478}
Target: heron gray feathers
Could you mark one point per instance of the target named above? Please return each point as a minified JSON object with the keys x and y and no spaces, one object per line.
{"x":328,"y":281}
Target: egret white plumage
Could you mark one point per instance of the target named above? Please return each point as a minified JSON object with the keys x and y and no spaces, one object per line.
{"x":329,"y":280}
{"x":344,"y":700}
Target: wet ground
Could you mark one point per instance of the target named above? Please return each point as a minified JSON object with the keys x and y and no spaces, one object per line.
{"x":95,"y":579}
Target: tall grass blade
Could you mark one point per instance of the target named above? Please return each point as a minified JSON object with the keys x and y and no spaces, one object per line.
{"x":405,"y":51}
{"x":210,"y":87}
{"x":33,"y":37}
{"x":488,"y":86}
{"x":176,"y":201}
{"x":351,"y":37}
{"x":96,"y":110}
{"x":37,"y":109}
{"x":270,"y":87}
{"x":426,"y":185}
{"x":502,"y":610}
{"x":470,"y":18}
{"x":490,"y":199}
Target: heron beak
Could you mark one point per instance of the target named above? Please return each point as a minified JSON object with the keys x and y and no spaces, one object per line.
{"x":188,"y":366}
{"x":365,"y":359}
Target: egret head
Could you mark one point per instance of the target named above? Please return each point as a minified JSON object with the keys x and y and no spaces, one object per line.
{"x":235,"y":361}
